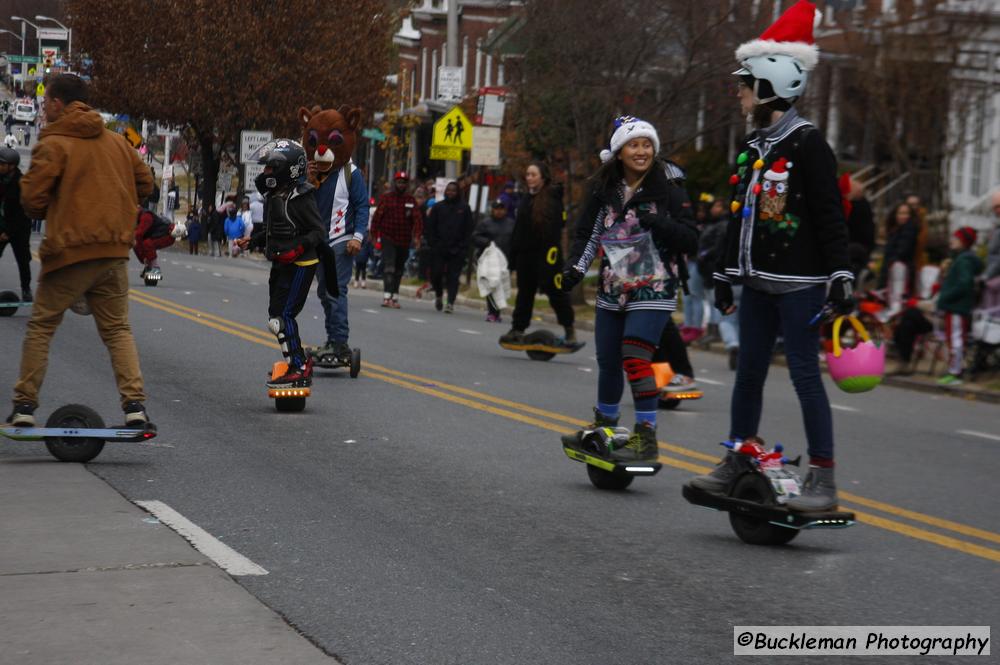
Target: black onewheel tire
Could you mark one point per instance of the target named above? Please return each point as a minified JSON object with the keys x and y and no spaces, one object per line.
{"x":540,"y":355}
{"x":355,"y":363}
{"x":8,"y":297}
{"x":670,"y":403}
{"x":152,"y":282}
{"x":74,"y":449}
{"x":754,"y":487}
{"x":608,"y":480}
{"x":290,"y":404}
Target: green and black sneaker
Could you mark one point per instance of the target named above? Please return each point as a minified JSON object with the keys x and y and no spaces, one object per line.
{"x":600,"y":420}
{"x":641,"y":446}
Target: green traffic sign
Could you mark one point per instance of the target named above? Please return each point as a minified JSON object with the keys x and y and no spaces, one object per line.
{"x":374,"y":134}
{"x":28,"y":59}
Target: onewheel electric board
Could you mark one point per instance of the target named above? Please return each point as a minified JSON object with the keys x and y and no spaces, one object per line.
{"x":543,"y":345}
{"x":152,"y":277}
{"x":76,"y":433}
{"x":755,"y":502}
{"x":593,"y":449}
{"x":671,"y":400}
{"x":287,"y":399}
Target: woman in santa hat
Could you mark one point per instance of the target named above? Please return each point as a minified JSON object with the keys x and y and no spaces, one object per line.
{"x":641,"y":222}
{"x":787,"y":244}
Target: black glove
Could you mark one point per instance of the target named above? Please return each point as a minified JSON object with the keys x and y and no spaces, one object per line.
{"x":841,"y":295}
{"x":570,"y":278}
{"x":724,"y":299}
{"x":651,"y":222}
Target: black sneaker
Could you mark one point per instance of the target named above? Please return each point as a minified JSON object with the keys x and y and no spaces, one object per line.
{"x":135,"y":414}
{"x":438,"y":303}
{"x":512,"y":336}
{"x":641,"y":446}
{"x":734,"y":358}
{"x":26,"y":295}
{"x":23,"y":415}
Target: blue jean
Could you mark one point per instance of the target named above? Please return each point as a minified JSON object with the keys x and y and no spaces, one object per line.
{"x":610,"y":328}
{"x":694,"y":302}
{"x":762,"y":317}
{"x":729,"y":325}
{"x":335,"y":309}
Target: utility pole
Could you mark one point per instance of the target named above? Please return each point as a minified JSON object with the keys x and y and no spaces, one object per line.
{"x":451,"y":167}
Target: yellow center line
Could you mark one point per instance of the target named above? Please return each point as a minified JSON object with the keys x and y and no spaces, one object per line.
{"x":436,"y":389}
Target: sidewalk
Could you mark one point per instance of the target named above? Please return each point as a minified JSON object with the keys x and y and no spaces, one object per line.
{"x":88,"y":578}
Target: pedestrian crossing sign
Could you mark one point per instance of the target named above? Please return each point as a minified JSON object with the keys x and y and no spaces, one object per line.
{"x":453,"y":130}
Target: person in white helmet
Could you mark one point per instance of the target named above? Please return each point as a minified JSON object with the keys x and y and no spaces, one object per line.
{"x":787,"y":244}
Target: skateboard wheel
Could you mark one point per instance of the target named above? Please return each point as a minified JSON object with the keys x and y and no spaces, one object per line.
{"x":74,"y":449}
{"x":355,"y":363}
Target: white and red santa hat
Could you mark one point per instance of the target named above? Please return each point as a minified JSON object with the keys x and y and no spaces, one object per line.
{"x":791,"y":35}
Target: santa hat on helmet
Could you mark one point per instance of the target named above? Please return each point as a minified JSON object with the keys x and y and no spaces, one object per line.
{"x":791,"y":35}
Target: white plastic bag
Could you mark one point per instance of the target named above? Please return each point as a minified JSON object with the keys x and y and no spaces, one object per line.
{"x":493,"y":275}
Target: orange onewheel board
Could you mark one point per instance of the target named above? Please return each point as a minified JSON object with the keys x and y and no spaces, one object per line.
{"x":662,"y":372}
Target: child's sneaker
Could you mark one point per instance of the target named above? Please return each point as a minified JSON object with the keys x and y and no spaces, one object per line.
{"x":679,"y":382}
{"x":394,"y":303}
{"x":294,"y":377}
{"x":641,"y":446}
{"x":950,"y":380}
{"x":386,"y":302}
{"x":449,"y":308}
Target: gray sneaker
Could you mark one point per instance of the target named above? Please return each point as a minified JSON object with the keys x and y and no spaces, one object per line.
{"x":819,"y":492}
{"x":600,"y":420}
{"x":718,"y":480}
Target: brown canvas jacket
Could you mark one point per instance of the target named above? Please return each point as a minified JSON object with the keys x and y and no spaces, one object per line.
{"x":86,"y":183}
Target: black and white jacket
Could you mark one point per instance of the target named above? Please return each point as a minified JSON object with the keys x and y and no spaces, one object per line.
{"x":787,"y":222}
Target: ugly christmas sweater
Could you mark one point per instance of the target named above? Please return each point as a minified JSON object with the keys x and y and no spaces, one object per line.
{"x":787,"y":221}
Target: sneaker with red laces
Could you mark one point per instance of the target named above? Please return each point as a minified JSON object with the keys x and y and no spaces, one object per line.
{"x":294,"y":377}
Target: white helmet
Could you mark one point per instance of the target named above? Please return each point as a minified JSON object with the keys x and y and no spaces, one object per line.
{"x":786,"y":76}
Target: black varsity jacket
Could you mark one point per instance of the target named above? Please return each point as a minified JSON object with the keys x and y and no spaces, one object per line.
{"x":787,"y":221}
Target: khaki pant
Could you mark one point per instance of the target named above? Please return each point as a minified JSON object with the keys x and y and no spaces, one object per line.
{"x":104,"y":283}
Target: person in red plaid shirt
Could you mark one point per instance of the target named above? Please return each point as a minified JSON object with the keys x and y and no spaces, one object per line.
{"x":398,"y":221}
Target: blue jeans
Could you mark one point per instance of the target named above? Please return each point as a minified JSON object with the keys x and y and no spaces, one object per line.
{"x":335,"y":309}
{"x":694,"y":302}
{"x":610,"y":328}
{"x":762,"y":317}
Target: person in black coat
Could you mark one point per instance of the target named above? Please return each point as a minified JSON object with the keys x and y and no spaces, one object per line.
{"x":447,"y":231}
{"x":536,"y":254}
{"x":902,"y":228}
{"x":497,"y":228}
{"x":860,"y":228}
{"x":786,"y":241}
{"x":15,"y":227}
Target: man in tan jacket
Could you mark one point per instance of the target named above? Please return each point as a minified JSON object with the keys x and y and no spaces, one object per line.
{"x":86,"y":182}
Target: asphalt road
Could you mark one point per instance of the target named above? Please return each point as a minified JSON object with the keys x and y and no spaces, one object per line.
{"x":424,"y":512}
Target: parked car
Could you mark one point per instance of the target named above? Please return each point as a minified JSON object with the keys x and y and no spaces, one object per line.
{"x":24,"y":111}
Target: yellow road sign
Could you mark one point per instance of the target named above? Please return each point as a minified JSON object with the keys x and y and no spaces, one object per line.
{"x":133,"y":137}
{"x":446,"y":152}
{"x":453,"y":130}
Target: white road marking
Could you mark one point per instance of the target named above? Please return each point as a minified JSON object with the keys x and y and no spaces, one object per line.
{"x":710,"y":382}
{"x":841,"y":407}
{"x":370,"y":311}
{"x":469,"y":332}
{"x":984,"y":435}
{"x":216,"y":274}
{"x":585,"y":369}
{"x":201,"y":270}
{"x":173,"y":263}
{"x":188,"y":266}
{"x":225,"y":556}
{"x":187,"y":293}
{"x":254,"y":284}
{"x":416,"y":320}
